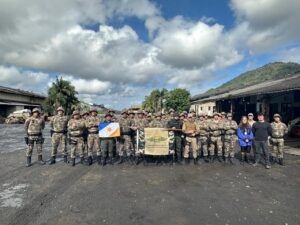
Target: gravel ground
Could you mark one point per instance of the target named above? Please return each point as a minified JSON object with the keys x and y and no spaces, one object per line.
{"x":121,"y":194}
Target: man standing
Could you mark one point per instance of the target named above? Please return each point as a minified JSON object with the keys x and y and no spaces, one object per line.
{"x":125,"y":147}
{"x":176,"y":125}
{"x":203,"y":130}
{"x":92,"y":124}
{"x":85,"y":114}
{"x":261,"y":131}
{"x":251,"y":120}
{"x":58,"y":132}
{"x":215,"y":131}
{"x":76,"y":127}
{"x":230,"y":138}
{"x":34,"y":126}
{"x":190,"y":129}
{"x":279,"y":129}
{"x":157,"y":122}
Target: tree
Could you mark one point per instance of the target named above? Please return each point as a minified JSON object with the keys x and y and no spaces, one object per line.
{"x":61,"y":93}
{"x":155,"y":101}
{"x":178,"y":99}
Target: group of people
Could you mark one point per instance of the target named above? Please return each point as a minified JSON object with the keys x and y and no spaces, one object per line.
{"x":194,"y":136}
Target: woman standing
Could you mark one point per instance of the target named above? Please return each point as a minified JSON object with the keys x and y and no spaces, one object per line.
{"x":245,"y":137}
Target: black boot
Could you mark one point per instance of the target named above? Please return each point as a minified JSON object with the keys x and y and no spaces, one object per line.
{"x":280,"y":161}
{"x":231,"y":160}
{"x":99,"y":159}
{"x":111,"y":162}
{"x":73,"y":162}
{"x":40,"y":159}
{"x":103,"y":161}
{"x":220,"y":158}
{"x":90,"y":160}
{"x":81,"y":160}
{"x":186,"y":161}
{"x":121,"y":160}
{"x":28,"y":161}
{"x":243,"y":157}
{"x":206,"y":159}
{"x":196,"y":162}
{"x":66,"y":159}
{"x":212,"y":159}
{"x":53,"y":161}
{"x":137,"y":160}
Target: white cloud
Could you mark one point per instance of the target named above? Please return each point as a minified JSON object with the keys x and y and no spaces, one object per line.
{"x":266,"y":24}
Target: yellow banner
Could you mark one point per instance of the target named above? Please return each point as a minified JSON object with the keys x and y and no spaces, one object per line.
{"x":156,"y":141}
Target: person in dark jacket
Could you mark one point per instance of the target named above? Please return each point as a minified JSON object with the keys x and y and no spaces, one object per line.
{"x":245,"y":136}
{"x":262,"y":131}
{"x":176,"y":124}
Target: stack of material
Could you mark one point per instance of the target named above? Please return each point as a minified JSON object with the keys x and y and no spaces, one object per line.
{"x":18,"y":117}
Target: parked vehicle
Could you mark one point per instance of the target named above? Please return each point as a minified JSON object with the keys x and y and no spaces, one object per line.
{"x":294,"y":127}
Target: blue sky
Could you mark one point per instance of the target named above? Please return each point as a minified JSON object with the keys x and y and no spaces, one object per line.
{"x":115,"y":52}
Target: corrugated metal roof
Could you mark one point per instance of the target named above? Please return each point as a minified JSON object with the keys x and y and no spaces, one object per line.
{"x":281,"y":85}
{"x":20,"y":92}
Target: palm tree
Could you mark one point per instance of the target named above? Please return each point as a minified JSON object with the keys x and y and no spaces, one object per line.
{"x":61,"y":93}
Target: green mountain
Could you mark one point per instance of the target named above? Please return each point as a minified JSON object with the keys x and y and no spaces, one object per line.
{"x":271,"y":71}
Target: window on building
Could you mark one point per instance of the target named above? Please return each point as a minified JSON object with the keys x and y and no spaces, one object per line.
{"x":209,"y":108}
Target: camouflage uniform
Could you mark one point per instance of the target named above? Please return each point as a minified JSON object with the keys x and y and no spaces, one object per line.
{"x":58,"y":126}
{"x":189,"y":126}
{"x":92,"y":124}
{"x":157,"y":124}
{"x":230,"y":138}
{"x":140,"y":123}
{"x":215,"y":130}
{"x":277,"y":142}
{"x":203,"y":130}
{"x":125,"y":147}
{"x":75,"y":129}
{"x":33,"y":129}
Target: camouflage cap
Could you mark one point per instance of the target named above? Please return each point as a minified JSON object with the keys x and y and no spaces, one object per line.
{"x":75,"y":112}
{"x":229,"y":115}
{"x":250,"y":114}
{"x":276,"y":115}
{"x":181,"y":114}
{"x":131,"y":112}
{"x":216,"y":114}
{"x":60,"y":109}
{"x":36,"y":110}
{"x":185,"y":112}
{"x":85,"y":113}
{"x":158,"y":115}
{"x":124,"y":112}
{"x":140,"y":112}
{"x":223,"y":113}
{"x":171,"y":110}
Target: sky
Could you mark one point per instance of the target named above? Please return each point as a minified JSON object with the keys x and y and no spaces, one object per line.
{"x":116,"y":51}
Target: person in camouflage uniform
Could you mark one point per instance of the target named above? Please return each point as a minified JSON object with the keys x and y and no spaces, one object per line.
{"x":149,"y":118}
{"x":203,"y":130}
{"x":34,"y":126}
{"x":84,"y":116}
{"x":176,"y":125}
{"x":131,"y":117}
{"x":139,"y":123}
{"x":107,"y":144}
{"x":279,"y":129}
{"x":76,"y":127}
{"x":230,"y":138}
{"x":58,"y":132}
{"x":157,"y":122}
{"x":215,"y":131}
{"x":125,"y":146}
{"x":190,"y":129}
{"x":92,"y":123}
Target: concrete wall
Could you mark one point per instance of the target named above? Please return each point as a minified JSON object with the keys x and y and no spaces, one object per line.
{"x":207,"y":107}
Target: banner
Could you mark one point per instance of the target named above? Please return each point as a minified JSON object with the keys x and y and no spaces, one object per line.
{"x":108,"y":130}
{"x":156,"y":141}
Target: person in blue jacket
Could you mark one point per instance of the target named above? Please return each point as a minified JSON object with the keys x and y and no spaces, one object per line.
{"x":245,"y":137}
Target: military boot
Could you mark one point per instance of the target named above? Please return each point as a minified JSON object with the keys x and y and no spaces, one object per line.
{"x":280,"y":161}
{"x":131,"y":160}
{"x":231,"y":160}
{"x":81,"y":160}
{"x":40,"y":160}
{"x":220,"y":158}
{"x":99,"y":159}
{"x":53,"y":161}
{"x":243,"y":157}
{"x":103,"y":161}
{"x":65,"y":159}
{"x":90,"y":160}
{"x":206,"y":159}
{"x":186,"y":161}
{"x":28,"y":161}
{"x":121,"y":160}
{"x":212,"y":159}
{"x":111,"y":161}
{"x":196,"y":161}
{"x":73,"y":162}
